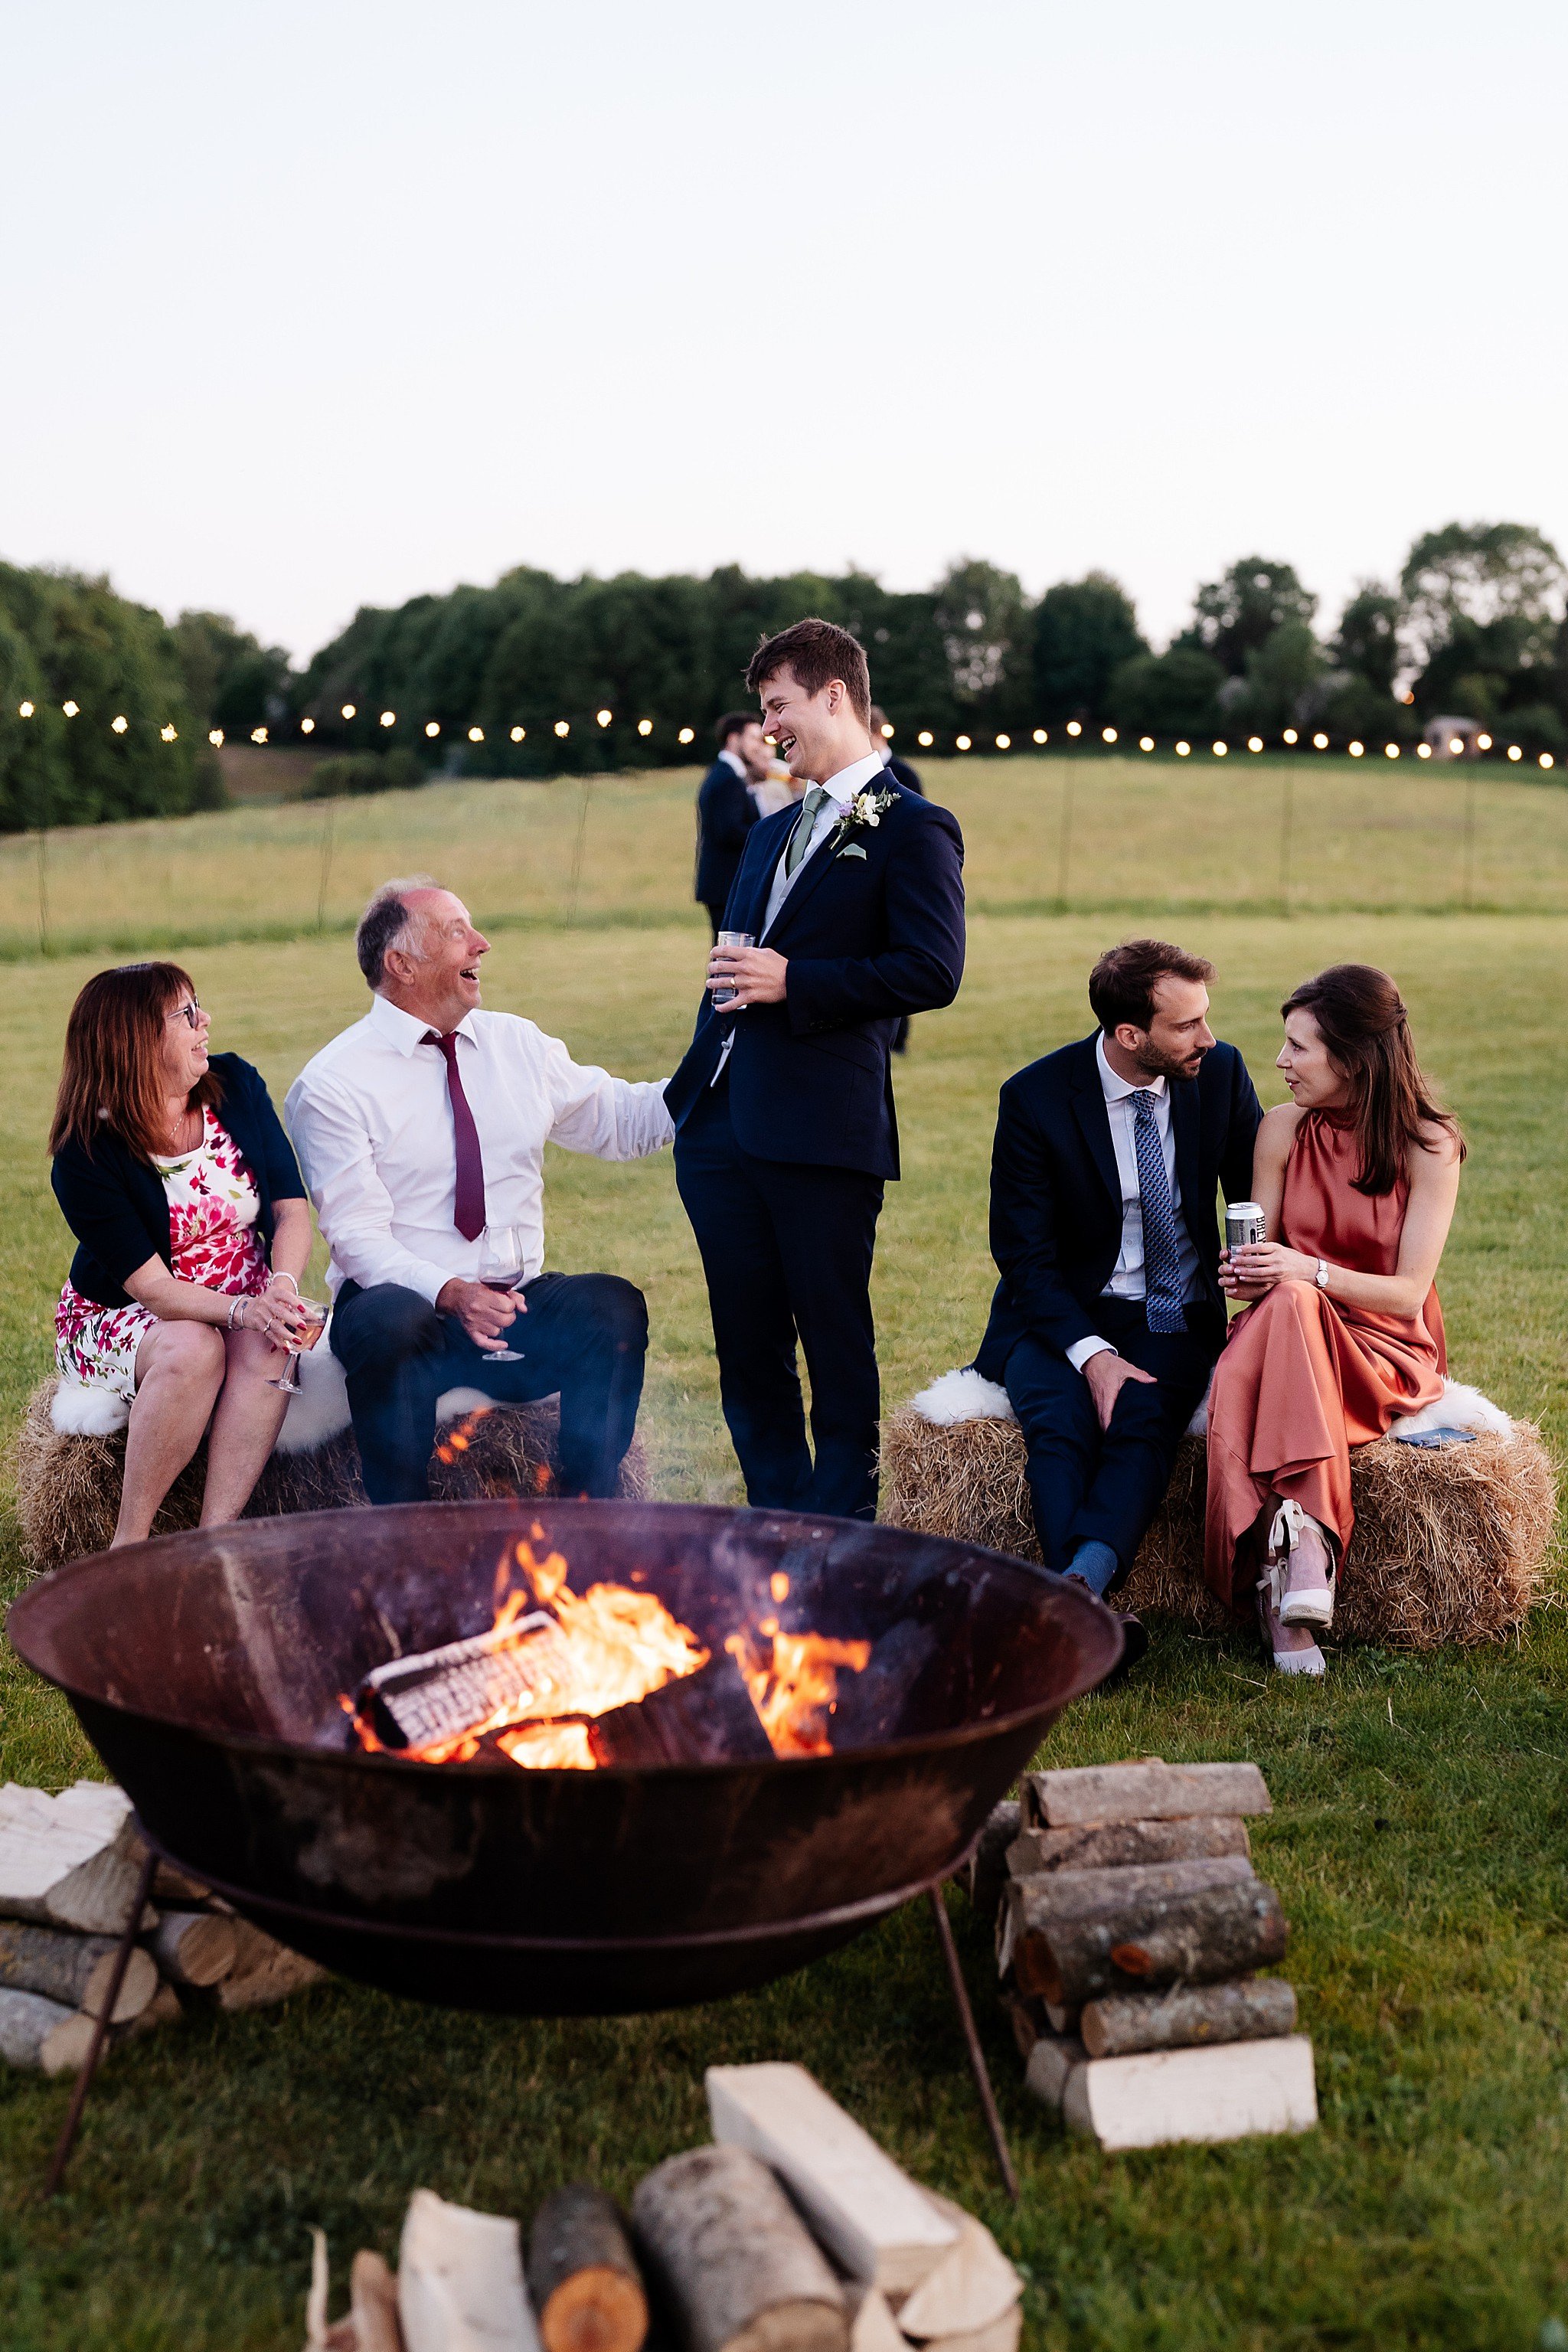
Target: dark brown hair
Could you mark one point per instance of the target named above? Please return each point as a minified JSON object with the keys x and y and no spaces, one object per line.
{"x":734,"y":723}
{"x":818,"y":652}
{"x":1361,"y":1018}
{"x":1121,"y":985}
{"x":112,"y":1076}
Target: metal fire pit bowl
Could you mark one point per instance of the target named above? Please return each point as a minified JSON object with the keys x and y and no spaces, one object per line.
{"x":208,"y":1669}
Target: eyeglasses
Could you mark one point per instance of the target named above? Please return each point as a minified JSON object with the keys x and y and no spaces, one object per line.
{"x":190,"y":1013}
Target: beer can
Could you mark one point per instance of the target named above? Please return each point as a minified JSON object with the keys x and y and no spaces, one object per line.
{"x":1243,"y":1224}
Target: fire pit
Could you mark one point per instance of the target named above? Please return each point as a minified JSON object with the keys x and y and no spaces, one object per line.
{"x":222,"y":1675}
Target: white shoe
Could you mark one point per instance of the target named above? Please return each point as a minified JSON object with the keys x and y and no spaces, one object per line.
{"x":1309,"y":1661}
{"x":1297,"y":1545}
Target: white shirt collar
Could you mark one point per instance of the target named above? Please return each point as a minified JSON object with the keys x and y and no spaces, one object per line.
{"x":1117,"y":1089}
{"x":854,"y":778}
{"x":733,"y":760}
{"x":405,"y":1030}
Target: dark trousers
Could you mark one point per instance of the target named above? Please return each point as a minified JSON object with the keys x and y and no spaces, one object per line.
{"x":585,"y":1335}
{"x":1095,"y":1486}
{"x":787,"y":1254}
{"x":714,"y":908}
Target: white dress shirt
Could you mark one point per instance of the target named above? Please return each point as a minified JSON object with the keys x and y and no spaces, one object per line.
{"x":1127,"y":1275}
{"x":842,"y":789}
{"x":371,"y":1121}
{"x":733,"y":760}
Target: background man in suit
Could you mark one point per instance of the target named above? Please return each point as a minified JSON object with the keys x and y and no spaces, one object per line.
{"x":784,"y":1105}
{"x":1109,"y":1314}
{"x":726,"y":810}
{"x":898,"y":770}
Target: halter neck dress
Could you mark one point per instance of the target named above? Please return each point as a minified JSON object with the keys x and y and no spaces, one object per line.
{"x":1304,"y":1378}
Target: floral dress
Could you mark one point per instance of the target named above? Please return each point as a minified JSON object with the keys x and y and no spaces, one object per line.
{"x":213,"y":1240}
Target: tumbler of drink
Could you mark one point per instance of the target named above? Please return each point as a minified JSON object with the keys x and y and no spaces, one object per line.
{"x":315,"y":1312}
{"x":501,"y":1263}
{"x":1244,"y":1224}
{"x":726,"y":993}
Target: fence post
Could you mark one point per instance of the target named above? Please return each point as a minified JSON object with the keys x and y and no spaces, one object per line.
{"x":577,"y":849}
{"x":1064,"y":847}
{"x":1287,"y":816}
{"x":42,"y":841}
{"x":329,"y":843}
{"x":1469,"y":837}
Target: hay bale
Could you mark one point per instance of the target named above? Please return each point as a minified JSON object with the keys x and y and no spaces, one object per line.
{"x":67,"y":1488}
{"x":1449,"y":1543}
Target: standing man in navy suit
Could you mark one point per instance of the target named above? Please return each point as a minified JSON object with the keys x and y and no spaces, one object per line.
{"x":727,"y":809}
{"x":784,"y":1105}
{"x":1109,"y":1316}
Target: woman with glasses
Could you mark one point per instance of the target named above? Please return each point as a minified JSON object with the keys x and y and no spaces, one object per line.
{"x":178,"y":1182}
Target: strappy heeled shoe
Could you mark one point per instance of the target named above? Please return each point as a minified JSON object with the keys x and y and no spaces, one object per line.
{"x":1272,"y":1587}
{"x":1293,"y":1542}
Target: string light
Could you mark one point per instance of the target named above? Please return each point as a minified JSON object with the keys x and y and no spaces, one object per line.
{"x":1107,"y":734}
{"x":1514,"y":752}
{"x":1391,"y":750}
{"x":1040,"y":736}
{"x":389,"y":718}
{"x":604,"y":717}
{"x":1220,"y":750}
{"x":925,"y":738}
{"x":563,"y":726}
{"x":1483,"y":742}
{"x":1424,"y":750}
{"x":70,"y":709}
{"x":1073,"y":727}
{"x":645,"y":726}
{"x":1356,"y":750}
{"x":259,"y":734}
{"x":687,"y":734}
{"x":215,"y":737}
{"x":432,"y":729}
{"x":349,"y":709}
{"x":1004,"y":742}
{"x":1547,"y":760}
{"x":306,"y":726}
{"x":1145,"y":742}
{"x":964,"y":742}
{"x":23,"y":710}
{"x":518,"y":733}
{"x":1255,"y":743}
{"x":887,"y":731}
{"x":120,"y":724}
{"x":476,"y":734}
{"x":1182,"y":751}
{"x":169,"y":734}
{"x":1455,"y":745}
{"x":1288,"y":736}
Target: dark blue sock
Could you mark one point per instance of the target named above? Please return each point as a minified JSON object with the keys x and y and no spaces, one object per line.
{"x":1096,"y":1563}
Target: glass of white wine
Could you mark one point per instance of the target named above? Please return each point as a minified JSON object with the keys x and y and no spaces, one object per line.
{"x":316,"y":1314}
{"x":502,"y":1264}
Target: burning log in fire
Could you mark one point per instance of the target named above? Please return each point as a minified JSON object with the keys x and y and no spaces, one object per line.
{"x":562,"y":1681}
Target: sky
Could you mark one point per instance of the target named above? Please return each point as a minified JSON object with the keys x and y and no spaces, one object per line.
{"x":312,"y":306}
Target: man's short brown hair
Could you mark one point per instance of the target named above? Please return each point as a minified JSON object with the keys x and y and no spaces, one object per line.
{"x":1121,"y":985}
{"x":816,"y":651}
{"x":734,"y":723}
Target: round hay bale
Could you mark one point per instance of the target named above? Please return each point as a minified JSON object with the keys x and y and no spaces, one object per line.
{"x":1449,"y":1545}
{"x":67,"y":1488}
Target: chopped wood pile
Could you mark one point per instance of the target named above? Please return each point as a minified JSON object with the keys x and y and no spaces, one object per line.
{"x":69,"y":1868}
{"x":1130,"y":1925}
{"x":795,"y":2231}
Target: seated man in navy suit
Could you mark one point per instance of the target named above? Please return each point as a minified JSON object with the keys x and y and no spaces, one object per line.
{"x":1109,"y":1316}
{"x":784,"y":1106}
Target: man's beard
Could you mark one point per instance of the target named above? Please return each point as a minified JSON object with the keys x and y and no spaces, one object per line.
{"x":1156,"y":1063}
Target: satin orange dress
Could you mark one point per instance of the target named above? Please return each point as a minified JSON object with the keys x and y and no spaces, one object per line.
{"x":1303,"y":1378}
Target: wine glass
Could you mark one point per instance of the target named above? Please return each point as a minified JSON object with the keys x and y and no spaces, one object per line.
{"x":501,"y":1263}
{"x":316,"y":1314}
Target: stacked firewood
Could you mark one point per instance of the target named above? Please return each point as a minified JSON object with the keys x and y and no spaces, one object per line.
{"x":794,"y":2230}
{"x":70,"y":1869}
{"x":1129,"y":1927}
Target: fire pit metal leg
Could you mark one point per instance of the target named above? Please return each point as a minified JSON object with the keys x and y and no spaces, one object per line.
{"x":69,"y":2129}
{"x":977,"y":2055}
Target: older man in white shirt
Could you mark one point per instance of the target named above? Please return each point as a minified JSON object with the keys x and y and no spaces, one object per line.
{"x":419,"y":1130}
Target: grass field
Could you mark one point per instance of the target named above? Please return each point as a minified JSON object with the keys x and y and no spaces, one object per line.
{"x":1420,"y":1830}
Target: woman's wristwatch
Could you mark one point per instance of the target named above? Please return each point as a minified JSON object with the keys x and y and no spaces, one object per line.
{"x":1322,"y":1276}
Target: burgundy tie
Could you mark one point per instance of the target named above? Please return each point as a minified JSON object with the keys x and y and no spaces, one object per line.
{"x":469,"y":1206}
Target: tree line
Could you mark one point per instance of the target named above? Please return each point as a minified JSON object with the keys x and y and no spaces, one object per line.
{"x":1473,"y":627}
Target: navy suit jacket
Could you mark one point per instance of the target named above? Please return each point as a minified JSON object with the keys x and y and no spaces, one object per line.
{"x":1055,"y":1195}
{"x":873,"y":931}
{"x":725,"y":815}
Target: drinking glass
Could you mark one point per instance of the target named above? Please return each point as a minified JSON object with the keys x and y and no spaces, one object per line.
{"x":501,"y":1263}
{"x":732,"y":939}
{"x":316,"y":1313}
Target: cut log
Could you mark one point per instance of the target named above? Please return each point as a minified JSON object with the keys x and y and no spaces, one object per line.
{"x":702,"y":1718}
{"x":873,"y":1706}
{"x":1002,"y":2335}
{"x":1028,"y":2018}
{"x":195,"y":1948}
{"x":1230,"y":2092}
{"x":263,"y":1972}
{"x":460,"y":2281}
{"x":872,"y":2327}
{"x":71,"y":1861}
{"x":373,"y":2305}
{"x":175,"y":1888}
{"x":1076,"y":1893}
{"x":878,"y":2223}
{"x":41,"y":2034}
{"x":1148,"y":1790}
{"x":984,"y":1875}
{"x":1117,"y":1845}
{"x":1259,"y":2009}
{"x":1060,"y":2017}
{"x":742,"y":2271}
{"x":1051,"y":2061}
{"x":583,"y":2277}
{"x":164,"y":2008}
{"x":1228,"y":1931}
{"x":75,"y":1969}
{"x":972,"y":2287}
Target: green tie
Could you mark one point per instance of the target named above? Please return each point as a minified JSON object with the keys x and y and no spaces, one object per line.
{"x":800,"y":839}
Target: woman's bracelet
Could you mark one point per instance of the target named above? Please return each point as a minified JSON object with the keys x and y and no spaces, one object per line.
{"x":277,"y":1275}
{"x":235,"y":1323}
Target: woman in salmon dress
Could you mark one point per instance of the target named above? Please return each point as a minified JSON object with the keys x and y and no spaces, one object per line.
{"x":1357,"y":1176}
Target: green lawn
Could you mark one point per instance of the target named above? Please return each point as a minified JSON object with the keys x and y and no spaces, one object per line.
{"x":1420,"y":1830}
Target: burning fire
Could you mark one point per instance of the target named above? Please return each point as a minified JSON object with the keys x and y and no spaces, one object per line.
{"x":553,"y":1659}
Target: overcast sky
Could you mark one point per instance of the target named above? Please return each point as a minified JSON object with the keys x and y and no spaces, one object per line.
{"x":311,"y":306}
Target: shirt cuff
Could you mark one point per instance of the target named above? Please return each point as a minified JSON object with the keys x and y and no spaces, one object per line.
{"x":1081,"y":1351}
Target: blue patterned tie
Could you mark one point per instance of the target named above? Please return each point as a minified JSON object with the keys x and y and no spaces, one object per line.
{"x":1162,"y":1264}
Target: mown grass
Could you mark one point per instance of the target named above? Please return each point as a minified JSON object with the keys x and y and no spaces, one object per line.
{"x":1418,"y":1840}
{"x":1044,"y":832}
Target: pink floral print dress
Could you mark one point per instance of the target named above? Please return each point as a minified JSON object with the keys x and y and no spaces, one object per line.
{"x":213,"y":1208}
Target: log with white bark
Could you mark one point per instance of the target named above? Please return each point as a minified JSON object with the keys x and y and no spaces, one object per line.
{"x":71,"y":1861}
{"x":1160,"y":2097}
{"x":878,"y":2223}
{"x":583,"y":2277}
{"x":1117,"y":1845}
{"x":42,"y":2035}
{"x":973,"y":2286}
{"x":1147,"y":1790}
{"x":460,"y":2281}
{"x":1051,"y":2061}
{"x":195,"y":1948}
{"x":1226,"y":1931}
{"x":1186,"y":2016}
{"x":1076,"y":1893}
{"x":74,"y":1970}
{"x":742,"y":2272}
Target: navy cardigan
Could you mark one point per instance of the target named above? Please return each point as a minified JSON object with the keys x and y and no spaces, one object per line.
{"x":115,"y":1204}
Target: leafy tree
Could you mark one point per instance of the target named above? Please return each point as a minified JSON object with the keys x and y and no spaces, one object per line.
{"x":1232,"y":616}
{"x":1167,"y":694}
{"x":1367,"y":643}
{"x":1084,"y":629}
{"x":1484,"y":573}
{"x":983,"y":621}
{"x":232,"y":680}
{"x":1281,"y":686}
{"x":352,"y":773}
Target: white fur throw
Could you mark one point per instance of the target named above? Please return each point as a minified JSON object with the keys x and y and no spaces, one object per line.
{"x":964,"y":1396}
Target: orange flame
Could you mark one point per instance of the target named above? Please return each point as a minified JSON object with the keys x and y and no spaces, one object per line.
{"x":793,"y":1682}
